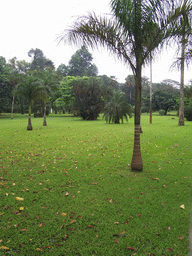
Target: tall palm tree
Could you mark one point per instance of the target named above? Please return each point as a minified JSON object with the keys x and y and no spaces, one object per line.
{"x":126,"y":35}
{"x":183,"y":31}
{"x":31,"y":90}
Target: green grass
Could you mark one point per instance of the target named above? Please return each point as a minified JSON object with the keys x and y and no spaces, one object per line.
{"x":82,"y":169}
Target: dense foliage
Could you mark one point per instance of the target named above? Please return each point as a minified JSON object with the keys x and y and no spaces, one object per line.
{"x":88,"y":101}
{"x":117,"y":108}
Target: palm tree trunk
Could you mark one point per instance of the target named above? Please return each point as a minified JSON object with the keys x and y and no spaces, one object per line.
{"x":136,"y":163}
{"x":181,"y":103}
{"x":150,"y":109}
{"x":29,"y":127}
{"x":12,"y":106}
{"x":44,"y":116}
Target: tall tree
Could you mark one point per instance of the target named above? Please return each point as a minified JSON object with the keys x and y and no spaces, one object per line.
{"x":184,"y":32}
{"x":39,"y":61}
{"x":80,"y":64}
{"x":126,"y":35}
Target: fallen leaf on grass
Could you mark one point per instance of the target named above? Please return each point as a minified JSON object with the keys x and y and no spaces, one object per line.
{"x":139,"y":215}
{"x":94,"y":183}
{"x":1,"y":240}
{"x":116,"y":241}
{"x":182,"y":206}
{"x":24,"y":229}
{"x":4,"y":248}
{"x":21,"y":208}
{"x":40,"y":225}
{"x":19,"y":198}
{"x":169,"y":228}
{"x":39,"y":249}
{"x":130,"y":248}
{"x":73,"y":221}
{"x":117,"y":223}
{"x":90,"y":226}
{"x":169,"y":249}
{"x":66,"y":194}
{"x":122,"y":232}
{"x":164,"y":186}
{"x":63,"y":214}
{"x":126,"y":222}
{"x":180,"y":237}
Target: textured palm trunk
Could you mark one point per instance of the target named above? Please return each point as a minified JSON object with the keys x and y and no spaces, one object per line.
{"x":44,"y":117}
{"x":12,"y":106}
{"x":181,"y":103}
{"x":136,"y":163}
{"x":29,"y":127}
{"x":150,"y":109}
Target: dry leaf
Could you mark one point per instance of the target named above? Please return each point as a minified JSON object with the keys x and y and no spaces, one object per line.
{"x":116,"y":241}
{"x":4,"y":248}
{"x":73,"y":221}
{"x":39,"y":249}
{"x":182,"y":206}
{"x":66,"y":194}
{"x":1,"y":240}
{"x":21,"y":208}
{"x":63,"y":214}
{"x":24,"y":229}
{"x":164,"y":186}
{"x":169,"y":249}
{"x":169,"y":228}
{"x":40,"y":224}
{"x":19,"y":198}
{"x":117,"y":223}
{"x":90,"y":226}
{"x":122,"y":232}
{"x":139,"y":215}
{"x":130,"y":248}
{"x":180,"y":237}
{"x":111,"y":201}
{"x":127,"y":222}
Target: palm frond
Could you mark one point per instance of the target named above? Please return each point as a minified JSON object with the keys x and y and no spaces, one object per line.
{"x":94,"y":31}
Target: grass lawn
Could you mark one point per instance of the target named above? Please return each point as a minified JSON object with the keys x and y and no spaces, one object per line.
{"x":68,"y":189}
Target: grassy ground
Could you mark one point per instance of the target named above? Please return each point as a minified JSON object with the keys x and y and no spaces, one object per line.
{"x":67,"y":189}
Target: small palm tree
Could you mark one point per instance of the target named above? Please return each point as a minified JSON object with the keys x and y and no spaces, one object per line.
{"x":117,"y":108}
{"x":31,"y":90}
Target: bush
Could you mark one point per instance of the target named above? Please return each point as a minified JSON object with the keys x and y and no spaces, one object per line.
{"x":188,"y":113}
{"x":161,"y":112}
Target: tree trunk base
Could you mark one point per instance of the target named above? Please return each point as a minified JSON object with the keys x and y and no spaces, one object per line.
{"x":29,"y":127}
{"x":181,"y":123}
{"x":136,"y":163}
{"x":44,"y":123}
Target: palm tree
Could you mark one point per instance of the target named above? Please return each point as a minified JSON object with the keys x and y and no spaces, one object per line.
{"x":183,"y":31}
{"x":31,"y":90}
{"x":126,"y":35}
{"x":117,"y":108}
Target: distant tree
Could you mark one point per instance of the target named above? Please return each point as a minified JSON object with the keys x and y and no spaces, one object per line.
{"x":117,"y":108}
{"x":182,"y":31}
{"x":80,"y":64}
{"x":62,"y":70}
{"x":5,"y":87}
{"x":66,"y":98}
{"x":30,"y":89}
{"x":49,"y":82}
{"x":88,"y":101}
{"x":39,"y":61}
{"x":163,"y":100}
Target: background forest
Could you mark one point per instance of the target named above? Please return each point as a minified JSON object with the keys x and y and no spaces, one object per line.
{"x":76,"y":88}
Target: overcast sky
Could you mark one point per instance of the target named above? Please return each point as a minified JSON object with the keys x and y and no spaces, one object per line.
{"x":27,"y":24}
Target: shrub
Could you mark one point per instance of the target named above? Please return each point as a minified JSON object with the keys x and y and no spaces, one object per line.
{"x":161,"y":112}
{"x":188,"y":113}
